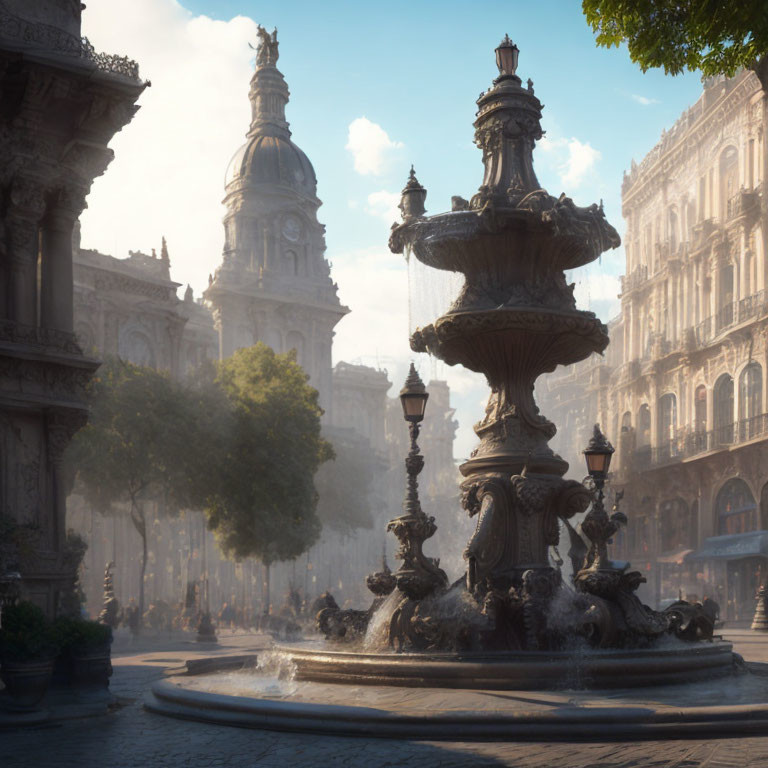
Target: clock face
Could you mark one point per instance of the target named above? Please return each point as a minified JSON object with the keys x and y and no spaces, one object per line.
{"x":291,"y":229}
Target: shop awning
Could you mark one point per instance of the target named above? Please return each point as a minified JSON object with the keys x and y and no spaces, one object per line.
{"x":735,"y":546}
{"x":675,"y":558}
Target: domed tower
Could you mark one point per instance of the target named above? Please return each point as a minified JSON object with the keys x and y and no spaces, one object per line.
{"x":274,"y":283}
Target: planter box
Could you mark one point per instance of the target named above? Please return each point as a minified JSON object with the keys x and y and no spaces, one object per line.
{"x":26,"y":682}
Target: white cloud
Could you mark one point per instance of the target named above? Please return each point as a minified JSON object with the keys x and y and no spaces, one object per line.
{"x":168,"y":174}
{"x":644,"y":100}
{"x":574,"y":160}
{"x":597,"y":292}
{"x":383,"y":204}
{"x":370,"y":146}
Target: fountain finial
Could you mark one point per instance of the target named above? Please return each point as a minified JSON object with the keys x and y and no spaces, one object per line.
{"x":506,"y":58}
{"x":412,"y":198}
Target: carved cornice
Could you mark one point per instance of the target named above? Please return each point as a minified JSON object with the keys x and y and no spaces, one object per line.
{"x":646,"y":179}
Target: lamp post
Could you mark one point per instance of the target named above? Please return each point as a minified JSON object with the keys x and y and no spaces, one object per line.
{"x":598,"y":527}
{"x":418,"y":575}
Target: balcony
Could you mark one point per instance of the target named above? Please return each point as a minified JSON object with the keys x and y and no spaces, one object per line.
{"x":740,"y":203}
{"x":729,"y":315}
{"x":694,"y":443}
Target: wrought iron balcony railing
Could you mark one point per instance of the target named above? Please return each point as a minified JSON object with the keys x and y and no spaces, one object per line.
{"x":692,"y":444}
{"x":44,"y":37}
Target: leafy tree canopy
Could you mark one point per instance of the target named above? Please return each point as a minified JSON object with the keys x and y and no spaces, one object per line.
{"x":264,"y":503}
{"x":131,"y":448}
{"x":714,"y":36}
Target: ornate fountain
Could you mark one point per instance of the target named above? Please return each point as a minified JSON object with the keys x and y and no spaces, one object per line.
{"x":512,"y":622}
{"x":514,"y":319}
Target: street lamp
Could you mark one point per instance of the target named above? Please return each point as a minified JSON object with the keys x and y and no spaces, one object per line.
{"x":418,"y":575}
{"x":413,"y":397}
{"x":598,"y":527}
{"x":598,"y":454}
{"x":506,"y":57}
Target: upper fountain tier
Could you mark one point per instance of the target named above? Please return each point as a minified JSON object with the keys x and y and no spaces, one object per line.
{"x":512,"y":235}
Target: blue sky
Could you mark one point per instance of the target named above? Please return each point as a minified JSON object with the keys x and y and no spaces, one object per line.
{"x":406,"y":74}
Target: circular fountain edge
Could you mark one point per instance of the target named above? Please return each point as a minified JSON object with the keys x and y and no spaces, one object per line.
{"x":602,"y":720}
{"x":528,"y":670}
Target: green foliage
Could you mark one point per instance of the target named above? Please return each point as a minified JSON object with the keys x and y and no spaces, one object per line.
{"x":26,"y":634}
{"x":262,"y":502}
{"x":78,"y":635}
{"x":133,"y":447}
{"x":345,"y":484}
{"x":714,"y":36}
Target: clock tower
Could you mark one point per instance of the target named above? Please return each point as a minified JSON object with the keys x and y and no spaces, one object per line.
{"x":274,"y":283}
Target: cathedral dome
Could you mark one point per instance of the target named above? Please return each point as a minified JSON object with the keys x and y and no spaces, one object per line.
{"x":276,"y":160}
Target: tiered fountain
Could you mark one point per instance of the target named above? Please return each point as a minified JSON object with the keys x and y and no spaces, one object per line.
{"x":514,"y":319}
{"x":512,"y":622}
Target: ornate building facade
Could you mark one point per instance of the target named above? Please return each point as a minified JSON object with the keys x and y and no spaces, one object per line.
{"x":682,"y":389}
{"x":61,"y":105}
{"x":274,"y":283}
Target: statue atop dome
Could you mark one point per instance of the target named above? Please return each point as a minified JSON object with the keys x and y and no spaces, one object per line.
{"x":266,"y":50}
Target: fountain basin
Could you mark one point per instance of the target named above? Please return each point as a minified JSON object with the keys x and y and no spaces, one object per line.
{"x":670,"y":711}
{"x":522,"y":671}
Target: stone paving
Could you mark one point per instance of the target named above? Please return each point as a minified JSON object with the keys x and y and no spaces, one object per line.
{"x":131,"y":738}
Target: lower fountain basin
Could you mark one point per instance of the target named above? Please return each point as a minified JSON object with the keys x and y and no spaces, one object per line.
{"x":722,"y":706}
{"x":670,"y":664}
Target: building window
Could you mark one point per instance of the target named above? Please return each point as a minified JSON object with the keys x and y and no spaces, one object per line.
{"x":723,"y":410}
{"x":736,"y":508}
{"x":673,"y":240}
{"x":644,"y":425}
{"x":667,"y":424}
{"x":700,"y":406}
{"x":729,"y":182}
{"x":295,"y":340}
{"x":750,"y":401}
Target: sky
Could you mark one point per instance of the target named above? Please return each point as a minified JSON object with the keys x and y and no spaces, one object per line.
{"x":374,"y":88}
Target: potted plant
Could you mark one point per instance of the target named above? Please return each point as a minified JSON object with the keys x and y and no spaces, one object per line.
{"x":84,"y":661}
{"x":27,"y":653}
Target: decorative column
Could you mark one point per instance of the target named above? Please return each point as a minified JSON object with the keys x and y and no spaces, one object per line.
{"x":56,"y":285}
{"x":27,"y":204}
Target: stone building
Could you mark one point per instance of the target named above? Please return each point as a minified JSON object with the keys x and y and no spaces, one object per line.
{"x":681,"y":391}
{"x":274,"y":283}
{"x":61,"y":103}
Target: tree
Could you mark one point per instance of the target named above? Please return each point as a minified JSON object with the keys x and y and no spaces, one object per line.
{"x":714,"y":36}
{"x":345,"y":483}
{"x":136,"y":447}
{"x":262,"y":502}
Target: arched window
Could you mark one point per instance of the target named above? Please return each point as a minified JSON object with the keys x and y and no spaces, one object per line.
{"x":736,"y":508}
{"x":626,"y":421}
{"x":750,"y":401}
{"x":677,"y":531}
{"x":136,"y":348}
{"x":723,"y":410}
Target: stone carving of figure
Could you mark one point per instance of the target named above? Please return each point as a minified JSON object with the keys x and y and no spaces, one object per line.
{"x":266,"y":50}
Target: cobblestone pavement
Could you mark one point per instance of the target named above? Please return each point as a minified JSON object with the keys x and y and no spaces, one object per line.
{"x":129,"y":737}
